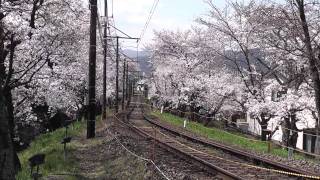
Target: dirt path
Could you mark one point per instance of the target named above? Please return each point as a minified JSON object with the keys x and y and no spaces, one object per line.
{"x":105,"y":158}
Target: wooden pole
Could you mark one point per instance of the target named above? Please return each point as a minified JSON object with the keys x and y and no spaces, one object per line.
{"x":117,"y":76}
{"x":123,"y":83}
{"x":104,"y":101}
{"x":92,"y":71}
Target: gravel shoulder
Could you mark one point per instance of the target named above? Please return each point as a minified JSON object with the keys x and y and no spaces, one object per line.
{"x":113,"y":155}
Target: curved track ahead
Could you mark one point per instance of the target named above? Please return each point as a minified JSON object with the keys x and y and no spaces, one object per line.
{"x":228,"y":163}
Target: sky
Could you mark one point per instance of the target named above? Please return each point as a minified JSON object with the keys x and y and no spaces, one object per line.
{"x":131,"y":15}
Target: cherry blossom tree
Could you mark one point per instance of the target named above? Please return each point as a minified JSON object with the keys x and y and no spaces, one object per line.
{"x":259,"y":42}
{"x":187,"y":73}
{"x":40,"y":43}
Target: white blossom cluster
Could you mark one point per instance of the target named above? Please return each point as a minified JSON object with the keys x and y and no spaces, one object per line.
{"x":250,"y":57}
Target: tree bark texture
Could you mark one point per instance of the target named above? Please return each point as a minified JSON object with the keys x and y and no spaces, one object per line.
{"x":7,"y":165}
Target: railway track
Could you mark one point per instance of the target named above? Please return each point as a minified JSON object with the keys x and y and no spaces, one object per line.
{"x":227,"y":164}
{"x":244,"y":155}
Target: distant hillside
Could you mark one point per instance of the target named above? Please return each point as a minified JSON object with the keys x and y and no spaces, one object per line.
{"x":143,"y":58}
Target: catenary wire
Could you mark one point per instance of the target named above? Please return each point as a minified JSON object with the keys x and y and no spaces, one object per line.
{"x":153,"y":8}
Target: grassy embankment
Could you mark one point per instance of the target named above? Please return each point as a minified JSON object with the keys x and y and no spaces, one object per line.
{"x":225,"y":137}
{"x":50,"y":145}
{"x":112,"y":162}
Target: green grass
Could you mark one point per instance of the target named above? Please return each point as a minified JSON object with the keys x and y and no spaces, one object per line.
{"x":50,"y":145}
{"x":236,"y":139}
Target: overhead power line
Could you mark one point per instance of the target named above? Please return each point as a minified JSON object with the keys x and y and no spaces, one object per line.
{"x":153,"y":8}
{"x":120,"y":30}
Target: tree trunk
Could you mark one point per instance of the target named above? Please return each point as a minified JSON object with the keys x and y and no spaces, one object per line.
{"x":192,"y":111}
{"x":263,"y":132}
{"x":209,"y":118}
{"x":183,"y":110}
{"x":285,"y":132}
{"x":290,"y":139}
{"x":312,"y":66}
{"x":264,"y":127}
{"x":7,"y":170}
{"x":206,"y":120}
{"x":10,"y":110}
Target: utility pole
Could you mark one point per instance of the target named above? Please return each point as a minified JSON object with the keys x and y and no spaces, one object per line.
{"x":123,"y":82}
{"x":104,"y":101}
{"x":132,"y":86}
{"x":127,"y":81}
{"x":117,"y":67}
{"x":129,"y":91}
{"x":117,"y":76}
{"x":92,"y":71}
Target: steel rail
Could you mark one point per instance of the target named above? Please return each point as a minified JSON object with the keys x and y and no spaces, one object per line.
{"x":180,"y":152}
{"x":239,"y":153}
